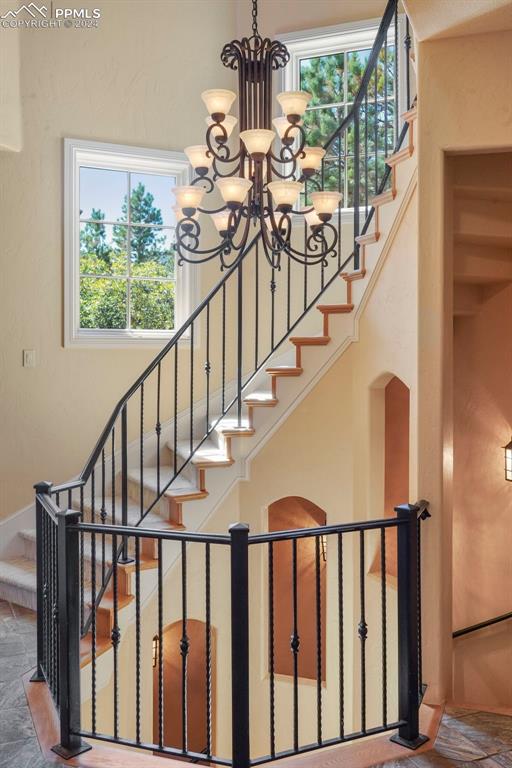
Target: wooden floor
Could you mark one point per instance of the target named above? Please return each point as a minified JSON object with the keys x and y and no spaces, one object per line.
{"x":28,"y":726}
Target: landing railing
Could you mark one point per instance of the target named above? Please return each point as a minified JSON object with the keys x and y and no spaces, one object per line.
{"x":200,"y":375}
{"x":307,"y":643}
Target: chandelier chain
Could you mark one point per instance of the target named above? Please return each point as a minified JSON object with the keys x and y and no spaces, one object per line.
{"x":255,"y":17}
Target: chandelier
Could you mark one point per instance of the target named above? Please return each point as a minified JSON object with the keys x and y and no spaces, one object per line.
{"x":259,"y":185}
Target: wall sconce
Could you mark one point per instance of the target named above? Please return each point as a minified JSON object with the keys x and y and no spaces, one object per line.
{"x":508,"y":461}
{"x":155,"y":651}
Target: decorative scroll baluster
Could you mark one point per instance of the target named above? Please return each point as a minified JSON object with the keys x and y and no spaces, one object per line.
{"x":115,"y":637}
{"x":295,"y":645}
{"x":318,"y":606}
{"x":271,"y":649}
{"x":160,"y":648}
{"x":384,"y":628}
{"x":362,"y":629}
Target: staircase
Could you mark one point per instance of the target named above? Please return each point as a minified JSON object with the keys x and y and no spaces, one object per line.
{"x":223,"y":458}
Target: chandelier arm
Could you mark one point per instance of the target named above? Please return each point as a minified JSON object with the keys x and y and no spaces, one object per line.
{"x":218,"y":175}
{"x":273,"y":253}
{"x":245,"y":233}
{"x":284,"y":175}
{"x":208,"y":182}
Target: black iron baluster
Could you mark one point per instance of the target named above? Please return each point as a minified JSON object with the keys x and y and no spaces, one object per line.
{"x":55,"y":614}
{"x":288,"y":293}
{"x":208,"y":639}
{"x":175,"y":437}
{"x":137,"y":639}
{"x":191,"y":389}
{"x":240,"y":344}
{"x":141,"y":451}
{"x":384,"y":627}
{"x":158,"y":428}
{"x":295,"y":645}
{"x":305,"y":266}
{"x":420,"y":631}
{"x":341,"y":639}
{"x":362,"y":628}
{"x":223,"y":395}
{"x":257,"y":305}
{"x":207,"y":370}
{"x":160,"y":649}
{"x":397,"y":94}
{"x":45,"y":596}
{"x":115,"y":636}
{"x":45,"y":489}
{"x":103,"y":517}
{"x":239,"y":551}
{"x":386,"y":96}
{"x":407,"y":45}
{"x":124,"y":482}
{"x":272,"y":307}
{"x":343,"y":199}
{"x":318,"y":585}
{"x":376,"y":128}
{"x":82,"y":570}
{"x":113,"y":472}
{"x":184,"y":649}
{"x":366,"y":152}
{"x":356,"y":192}
{"x":93,"y":620}
{"x":271,"y":648}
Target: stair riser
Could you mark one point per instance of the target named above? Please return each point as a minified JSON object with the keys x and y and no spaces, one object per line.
{"x":148,"y":496}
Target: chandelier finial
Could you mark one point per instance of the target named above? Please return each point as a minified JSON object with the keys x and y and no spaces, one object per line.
{"x":255,"y":18}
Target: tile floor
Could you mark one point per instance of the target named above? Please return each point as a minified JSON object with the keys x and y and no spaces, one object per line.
{"x":466,"y":738}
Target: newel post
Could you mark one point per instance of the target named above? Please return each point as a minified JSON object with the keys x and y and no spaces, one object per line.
{"x":408,"y":632}
{"x":68,"y":584}
{"x":42,"y":489}
{"x":239,"y":533}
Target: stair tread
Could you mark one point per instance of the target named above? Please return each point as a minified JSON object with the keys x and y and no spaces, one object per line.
{"x":261,"y":398}
{"x":397,"y":157}
{"x":208,"y":453}
{"x":385,"y":197}
{"x":18,"y":572}
{"x":179,"y":487}
{"x":368,"y":238}
{"x":285,"y":370}
{"x":230,"y":424}
{"x":335,"y":308}
{"x":310,"y":340}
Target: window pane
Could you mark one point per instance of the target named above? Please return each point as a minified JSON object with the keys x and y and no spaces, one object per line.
{"x":322,"y":76}
{"x":152,"y":252}
{"x":102,"y":303}
{"x":320,"y":124}
{"x":103,"y":249}
{"x":152,"y":305}
{"x":150,"y":198}
{"x":356,"y":64}
{"x":373,"y":183}
{"x":373,"y":121}
{"x":103,"y":194}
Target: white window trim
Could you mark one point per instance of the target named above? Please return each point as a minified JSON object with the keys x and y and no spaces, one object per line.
{"x":322,"y":41}
{"x":77,"y":153}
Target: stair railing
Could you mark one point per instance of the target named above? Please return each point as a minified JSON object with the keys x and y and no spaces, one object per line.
{"x":199,"y":376}
{"x":366,"y":616}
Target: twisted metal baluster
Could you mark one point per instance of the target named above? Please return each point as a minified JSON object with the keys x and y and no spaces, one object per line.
{"x":295,"y":645}
{"x":160,"y":649}
{"x":318,"y":641}
{"x":362,"y":629}
{"x":271,"y":648}
{"x":384,"y":628}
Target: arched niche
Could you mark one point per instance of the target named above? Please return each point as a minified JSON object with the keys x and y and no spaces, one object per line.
{"x":286,"y":514}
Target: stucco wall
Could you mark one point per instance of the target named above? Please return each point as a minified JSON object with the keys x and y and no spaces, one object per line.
{"x":465,"y":98}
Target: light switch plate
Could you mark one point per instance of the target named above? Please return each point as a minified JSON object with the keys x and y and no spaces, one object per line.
{"x":29,"y":358}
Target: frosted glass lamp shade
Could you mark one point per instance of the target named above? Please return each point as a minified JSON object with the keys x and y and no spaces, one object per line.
{"x":284,"y":193}
{"x":257,"y":142}
{"x":218,"y":102}
{"x":294,"y":103}
{"x":221,"y":221}
{"x":234,"y":190}
{"x":228,"y":124}
{"x":281,"y":124}
{"x":312,"y":161}
{"x":199,"y":157}
{"x":325,"y":203}
{"x":188,"y":197}
{"x":313,"y":219}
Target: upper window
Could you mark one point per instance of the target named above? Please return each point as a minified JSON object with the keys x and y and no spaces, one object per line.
{"x":329,"y":63}
{"x":121,"y":277}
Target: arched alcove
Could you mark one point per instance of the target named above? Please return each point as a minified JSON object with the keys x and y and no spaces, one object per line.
{"x":285,"y":514}
{"x":173,"y":682}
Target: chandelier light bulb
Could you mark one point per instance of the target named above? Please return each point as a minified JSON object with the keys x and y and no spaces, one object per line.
{"x":325,"y":203}
{"x":312,"y":161}
{"x":284,"y":194}
{"x":234,"y":190}
{"x":294,"y":104}
{"x":257,"y":142}
{"x":281,"y":124}
{"x":218,"y":102}
{"x":200,"y":158}
{"x":221,"y":221}
{"x":228,"y":123}
{"x":188,"y":198}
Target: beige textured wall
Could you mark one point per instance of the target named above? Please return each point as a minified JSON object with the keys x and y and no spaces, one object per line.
{"x":10,"y":96}
{"x":465,"y":104}
{"x":135,"y":80}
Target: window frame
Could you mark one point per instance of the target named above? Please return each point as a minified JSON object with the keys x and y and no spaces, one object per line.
{"x":79,"y":153}
{"x":323,"y":41}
